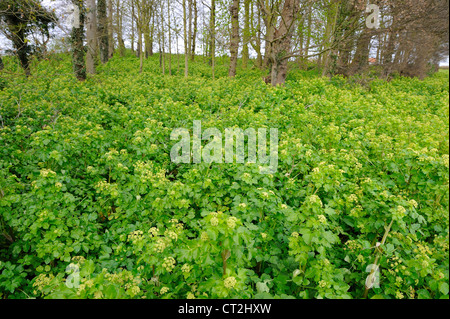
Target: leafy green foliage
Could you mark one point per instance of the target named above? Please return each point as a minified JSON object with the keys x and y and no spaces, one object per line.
{"x":86,"y":180}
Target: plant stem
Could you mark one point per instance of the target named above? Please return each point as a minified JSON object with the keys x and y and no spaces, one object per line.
{"x":378,"y":250}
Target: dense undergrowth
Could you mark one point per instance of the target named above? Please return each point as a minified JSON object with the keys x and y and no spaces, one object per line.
{"x":86,"y":183}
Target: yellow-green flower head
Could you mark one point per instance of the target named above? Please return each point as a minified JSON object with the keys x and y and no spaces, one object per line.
{"x":445,"y":159}
{"x":153,"y":231}
{"x":169,"y":264}
{"x":214,"y":221}
{"x":401,"y":210}
{"x":413,"y":203}
{"x":186,"y":268}
{"x":204,"y":236}
{"x":231,"y":222}
{"x":47,"y":172}
{"x":164,"y":290}
{"x":411,"y":292}
{"x":42,"y":280}
{"x":172,"y":235}
{"x":322,"y":219}
{"x":79,"y":259}
{"x":190,"y":295}
{"x":352,"y":198}
{"x":399,"y":295}
{"x":135,"y":236}
{"x":314,"y":199}
{"x":135,"y":290}
{"x":230,"y":282}
{"x":160,"y":246}
{"x":98,"y":294}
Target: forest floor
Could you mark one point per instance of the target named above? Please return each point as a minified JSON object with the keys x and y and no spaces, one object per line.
{"x":91,"y":205}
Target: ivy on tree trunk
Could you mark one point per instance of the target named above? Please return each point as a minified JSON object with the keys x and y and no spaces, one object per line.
{"x":78,"y":50}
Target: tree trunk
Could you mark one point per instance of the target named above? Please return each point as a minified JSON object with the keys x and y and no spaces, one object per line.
{"x":152,"y":33}
{"x":332,"y":17}
{"x":2,"y":66}
{"x":234,"y":42}
{"x":148,"y":31}
{"x":281,"y":46}
{"x":186,"y":40}
{"x":269,"y":16}
{"x":246,"y":34}
{"x":147,"y":42}
{"x":110,"y":30}
{"x":301,"y":44}
{"x":349,"y":18}
{"x":162,"y":49}
{"x":119,"y":29}
{"x":139,"y":44}
{"x":278,"y":72}
{"x":406,"y":49}
{"x":141,"y":56}
{"x":103,"y":30}
{"x":170,"y":39}
{"x":189,"y":48}
{"x":212,"y":27}
{"x":257,"y":44}
{"x":132,"y":25}
{"x":305,"y":57}
{"x":268,"y":47}
{"x":77,"y":38}
{"x":178,"y":55}
{"x":194,"y":34}
{"x":388,"y":54}
{"x":379,"y":41}
{"x":361,"y":59}
{"x":91,"y":34}
{"x":20,"y":44}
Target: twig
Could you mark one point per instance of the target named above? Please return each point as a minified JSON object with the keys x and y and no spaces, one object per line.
{"x":378,"y":250}
{"x":18,"y":107}
{"x":242,"y":103}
